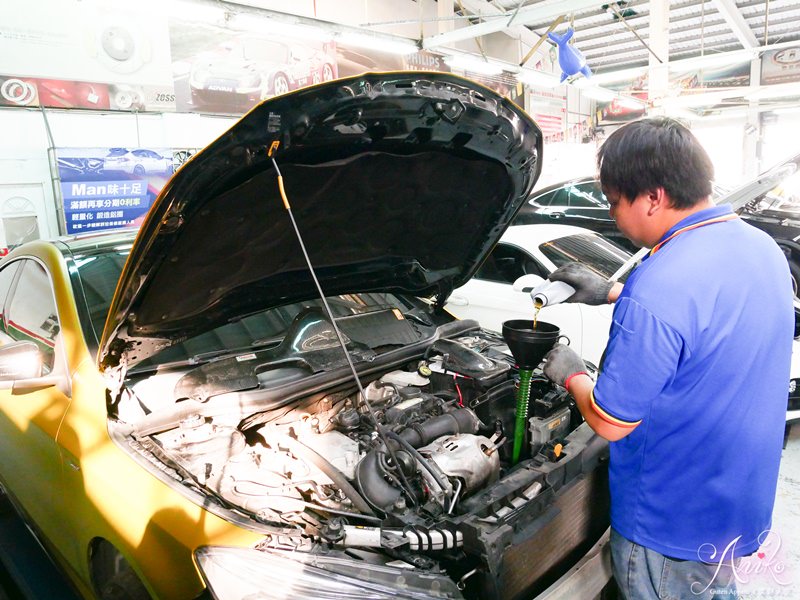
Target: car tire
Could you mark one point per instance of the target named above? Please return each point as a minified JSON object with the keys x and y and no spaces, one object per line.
{"x":794,"y":270}
{"x":280,"y":85}
{"x":124,"y":585}
{"x":327,"y":72}
{"x":139,"y":171}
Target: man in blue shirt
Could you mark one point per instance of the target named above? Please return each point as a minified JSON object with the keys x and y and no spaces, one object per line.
{"x":692,"y":392}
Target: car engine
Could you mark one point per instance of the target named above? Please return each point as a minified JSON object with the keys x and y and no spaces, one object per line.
{"x":420,"y":473}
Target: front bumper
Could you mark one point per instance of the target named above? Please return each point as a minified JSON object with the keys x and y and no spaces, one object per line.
{"x":587,"y":578}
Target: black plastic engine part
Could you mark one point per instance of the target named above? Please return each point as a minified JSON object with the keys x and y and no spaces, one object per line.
{"x":465,"y":361}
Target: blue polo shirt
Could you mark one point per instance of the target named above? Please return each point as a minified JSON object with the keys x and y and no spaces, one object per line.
{"x":698,"y":355}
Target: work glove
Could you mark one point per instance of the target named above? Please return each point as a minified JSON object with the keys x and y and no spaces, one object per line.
{"x":590,"y":288}
{"x":561,"y":364}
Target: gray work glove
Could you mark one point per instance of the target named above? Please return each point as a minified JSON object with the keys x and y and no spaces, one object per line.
{"x":590,"y":288}
{"x":561,"y":363}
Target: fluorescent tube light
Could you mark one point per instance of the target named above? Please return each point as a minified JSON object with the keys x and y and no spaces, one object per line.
{"x":703,"y":99}
{"x":474,"y":64}
{"x":538,"y":78}
{"x":373,"y":42}
{"x":775,"y":91}
{"x":598,"y":93}
{"x":628,"y":102}
{"x":615,"y":76}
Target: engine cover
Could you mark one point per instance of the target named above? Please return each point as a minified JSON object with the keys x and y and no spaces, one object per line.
{"x":471,"y":458}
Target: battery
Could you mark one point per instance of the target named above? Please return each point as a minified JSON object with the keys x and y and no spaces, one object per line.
{"x":547,"y":429}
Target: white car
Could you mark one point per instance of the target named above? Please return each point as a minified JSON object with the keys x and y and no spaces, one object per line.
{"x":537,"y":250}
{"x":138,"y":162}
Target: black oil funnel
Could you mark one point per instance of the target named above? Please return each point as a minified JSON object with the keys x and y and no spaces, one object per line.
{"x":529,"y":345}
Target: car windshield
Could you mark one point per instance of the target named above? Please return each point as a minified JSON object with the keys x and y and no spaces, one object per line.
{"x":599,"y":254}
{"x":783,"y":197}
{"x":375,"y":320}
{"x":265,"y":50}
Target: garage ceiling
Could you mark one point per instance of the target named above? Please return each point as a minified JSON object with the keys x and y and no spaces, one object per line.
{"x":605,"y":32}
{"x":615,"y":37}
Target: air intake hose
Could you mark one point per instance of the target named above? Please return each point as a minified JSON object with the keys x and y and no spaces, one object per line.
{"x":463,"y":420}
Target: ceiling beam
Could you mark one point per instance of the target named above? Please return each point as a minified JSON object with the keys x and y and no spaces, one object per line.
{"x":742,"y":31}
{"x":517,"y":31}
{"x":541,"y":11}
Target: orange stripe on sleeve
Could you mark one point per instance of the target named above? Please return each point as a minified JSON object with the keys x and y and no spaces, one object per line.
{"x":609,"y":418}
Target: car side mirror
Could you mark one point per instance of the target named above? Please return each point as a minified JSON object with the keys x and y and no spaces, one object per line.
{"x":526,"y":283}
{"x":21,"y":367}
{"x":20,"y":360}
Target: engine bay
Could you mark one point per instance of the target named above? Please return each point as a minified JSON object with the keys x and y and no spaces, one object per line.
{"x":421,"y":474}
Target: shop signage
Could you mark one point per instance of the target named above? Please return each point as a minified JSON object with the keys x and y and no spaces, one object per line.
{"x":109,"y":188}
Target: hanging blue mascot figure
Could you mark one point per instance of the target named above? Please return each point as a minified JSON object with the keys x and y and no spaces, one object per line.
{"x":570,"y":59}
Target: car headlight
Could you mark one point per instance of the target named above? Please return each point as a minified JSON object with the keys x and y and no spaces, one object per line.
{"x":239,"y":573}
{"x":198,"y":77}
{"x":248,"y":83}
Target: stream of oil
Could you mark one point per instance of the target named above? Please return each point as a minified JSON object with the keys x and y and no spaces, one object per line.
{"x":538,"y":304}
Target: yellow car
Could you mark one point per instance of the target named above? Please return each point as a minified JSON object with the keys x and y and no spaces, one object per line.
{"x":194,"y":412}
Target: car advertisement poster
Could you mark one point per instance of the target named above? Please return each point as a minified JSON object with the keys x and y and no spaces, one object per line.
{"x":91,"y":54}
{"x":109,"y":188}
{"x":229,"y":69}
{"x":780,"y":66}
{"x":60,"y":93}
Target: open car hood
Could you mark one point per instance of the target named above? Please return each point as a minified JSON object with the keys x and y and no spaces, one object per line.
{"x":398,"y":182}
{"x":757,"y":188}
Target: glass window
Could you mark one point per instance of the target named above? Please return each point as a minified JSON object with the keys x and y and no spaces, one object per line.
{"x":508,"y":263}
{"x":599,"y":254}
{"x":585,"y":195}
{"x":6,"y":279}
{"x":95,"y":279}
{"x":545,"y":199}
{"x":20,"y":229}
{"x":32,"y":312}
{"x":266,"y":50}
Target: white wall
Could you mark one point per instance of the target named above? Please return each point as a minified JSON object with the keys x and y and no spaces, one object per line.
{"x":780,"y":138}
{"x":361,"y":12}
{"x":24,"y":145}
{"x":724,"y":140}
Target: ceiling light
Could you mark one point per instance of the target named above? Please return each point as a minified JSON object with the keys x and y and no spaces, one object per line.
{"x":703,"y":99}
{"x":374,"y":42}
{"x":710,"y":61}
{"x":474,"y":64}
{"x":628,"y":102}
{"x":786,"y":110}
{"x":615,"y":76}
{"x":598,"y":93}
{"x":538,"y":78}
{"x":776,"y":91}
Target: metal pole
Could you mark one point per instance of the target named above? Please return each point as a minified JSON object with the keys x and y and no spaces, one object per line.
{"x":55,"y":176}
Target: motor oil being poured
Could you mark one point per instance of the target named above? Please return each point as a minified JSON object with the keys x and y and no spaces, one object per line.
{"x":548,"y":293}
{"x":537,"y":307}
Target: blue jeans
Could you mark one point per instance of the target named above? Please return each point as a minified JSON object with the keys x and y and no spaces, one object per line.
{"x":644,"y":574}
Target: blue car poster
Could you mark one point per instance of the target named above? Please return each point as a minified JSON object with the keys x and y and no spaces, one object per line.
{"x":110,"y":188}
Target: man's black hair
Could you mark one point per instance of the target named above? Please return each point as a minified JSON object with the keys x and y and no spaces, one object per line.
{"x":652,"y":153}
